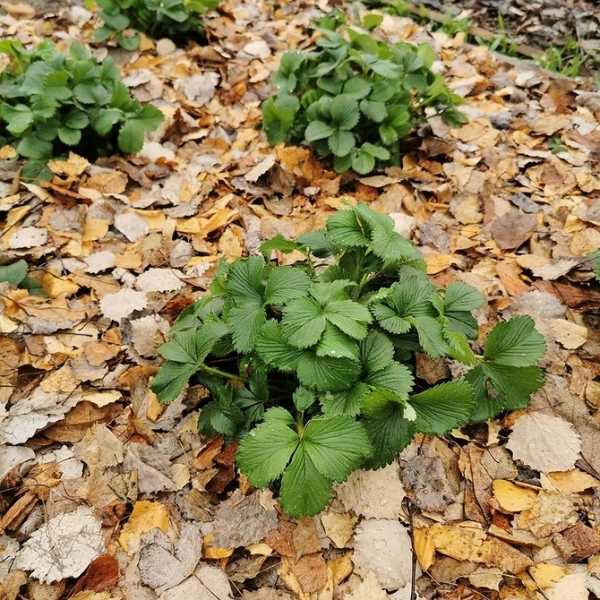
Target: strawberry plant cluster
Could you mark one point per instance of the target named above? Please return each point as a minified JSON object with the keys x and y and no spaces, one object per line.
{"x":157,"y":18}
{"x":51,"y":102}
{"x":311,"y":366}
{"x":355,"y":98}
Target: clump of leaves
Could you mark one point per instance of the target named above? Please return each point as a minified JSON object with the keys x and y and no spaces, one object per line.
{"x":16,"y":274}
{"x":158,"y":18}
{"x":354,"y":98}
{"x":311,"y":365}
{"x":51,"y":102}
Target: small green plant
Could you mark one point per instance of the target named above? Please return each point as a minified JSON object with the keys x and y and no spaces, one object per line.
{"x":158,"y":18}
{"x":501,"y":42}
{"x":354,"y":98}
{"x":567,"y":59}
{"x":311,"y":365}
{"x":16,"y":274}
{"x":51,"y":102}
{"x":453,"y":25}
{"x":555,"y":145}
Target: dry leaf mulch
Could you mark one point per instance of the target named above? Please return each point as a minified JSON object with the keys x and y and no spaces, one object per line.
{"x":106,"y":495}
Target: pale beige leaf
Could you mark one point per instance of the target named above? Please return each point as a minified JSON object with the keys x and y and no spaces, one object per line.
{"x":544,"y":442}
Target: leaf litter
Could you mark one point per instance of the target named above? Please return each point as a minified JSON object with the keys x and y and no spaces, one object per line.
{"x":92,"y":466}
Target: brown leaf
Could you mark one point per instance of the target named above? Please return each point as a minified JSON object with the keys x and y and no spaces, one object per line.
{"x":102,"y":574}
{"x":513,"y":229}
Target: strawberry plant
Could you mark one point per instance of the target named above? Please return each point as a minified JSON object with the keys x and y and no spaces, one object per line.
{"x":16,"y":274}
{"x":157,"y":18}
{"x":354,"y":98}
{"x":51,"y":102}
{"x":311,"y":366}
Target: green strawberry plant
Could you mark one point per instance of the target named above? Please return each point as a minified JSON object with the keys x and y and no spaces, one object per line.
{"x":16,"y":274}
{"x":52,"y":102}
{"x":311,"y":366}
{"x":355,"y":98}
{"x":157,"y":18}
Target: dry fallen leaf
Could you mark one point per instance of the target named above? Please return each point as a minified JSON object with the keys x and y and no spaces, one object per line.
{"x":146,"y":515}
{"x":338,"y":527}
{"x":367,"y":588}
{"x":375,"y":494}
{"x":511,"y":497}
{"x":544,"y":442}
{"x":63,"y":547}
{"x":383,"y":546}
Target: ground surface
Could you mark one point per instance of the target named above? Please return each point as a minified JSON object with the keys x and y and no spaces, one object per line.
{"x":534,"y":22}
{"x":97,"y":479}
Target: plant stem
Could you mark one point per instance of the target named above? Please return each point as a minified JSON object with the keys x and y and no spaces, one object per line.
{"x":300,"y":423}
{"x":219,"y":373}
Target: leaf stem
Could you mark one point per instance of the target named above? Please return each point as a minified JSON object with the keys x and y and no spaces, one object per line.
{"x":219,"y":373}
{"x":300,"y":423}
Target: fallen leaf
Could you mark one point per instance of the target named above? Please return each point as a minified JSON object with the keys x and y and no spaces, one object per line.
{"x":568,"y":334}
{"x":121,"y":304}
{"x":206,"y":583}
{"x":102,"y":574}
{"x":244,"y":520}
{"x":63,"y":547}
{"x":426,"y":479}
{"x":579,"y":542}
{"x":544,"y":442}
{"x":572,"y":586}
{"x":512,"y":229}
{"x":375,"y":494}
{"x":368,"y":588}
{"x":470,"y":543}
{"x":572,"y":482}
{"x":487,"y":578}
{"x":383,"y":546}
{"x":160,"y":280}
{"x":424,"y":547}
{"x":163,"y":564}
{"x":511,"y":497}
{"x":551,"y":513}
{"x":146,"y":515}
{"x":546,"y":574}
{"x":338,"y":527}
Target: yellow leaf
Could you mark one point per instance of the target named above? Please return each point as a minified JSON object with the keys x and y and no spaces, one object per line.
{"x":146,"y":515}
{"x":438,"y":262}
{"x":56,"y":286}
{"x":573,"y":481}
{"x":424,"y":547}
{"x":7,"y":152}
{"x":95,"y":229}
{"x":191,"y":225}
{"x":15,"y":215}
{"x":545,"y":574}
{"x":74,"y":166}
{"x":260,"y":549}
{"x":339,"y":527}
{"x":511,"y":497}
{"x":154,"y":218}
{"x":130,"y":259}
{"x":153,"y":407}
{"x":214,"y":552}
